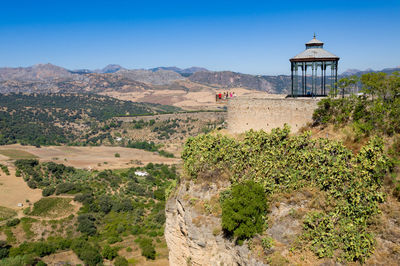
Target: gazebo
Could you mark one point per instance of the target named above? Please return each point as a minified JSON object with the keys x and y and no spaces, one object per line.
{"x":316,"y":58}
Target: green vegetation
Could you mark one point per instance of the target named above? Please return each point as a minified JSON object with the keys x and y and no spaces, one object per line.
{"x":17,"y":154}
{"x":115,"y":205}
{"x":149,"y":146}
{"x":6,"y":213}
{"x":4,"y":168}
{"x":51,"y":207}
{"x":376,"y":111}
{"x":121,"y":261}
{"x":280,"y":162}
{"x":51,"y":119}
{"x":13,"y":222}
{"x":243,"y":209}
{"x":4,"y":249}
{"x":147,"y":247}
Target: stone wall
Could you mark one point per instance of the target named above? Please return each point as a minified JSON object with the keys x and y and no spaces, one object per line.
{"x":246,"y":113}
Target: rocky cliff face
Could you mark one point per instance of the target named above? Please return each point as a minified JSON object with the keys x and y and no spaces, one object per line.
{"x":193,"y":230}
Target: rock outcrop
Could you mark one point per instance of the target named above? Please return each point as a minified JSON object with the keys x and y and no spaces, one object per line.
{"x":194,"y":235}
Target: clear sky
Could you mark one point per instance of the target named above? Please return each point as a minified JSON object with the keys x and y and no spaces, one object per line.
{"x":256,"y":37}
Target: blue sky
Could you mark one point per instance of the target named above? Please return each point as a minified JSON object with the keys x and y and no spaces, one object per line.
{"x":256,"y":37}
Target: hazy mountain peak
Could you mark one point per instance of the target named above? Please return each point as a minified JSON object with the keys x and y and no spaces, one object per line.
{"x":189,"y":70}
{"x":38,"y":72}
{"x":111,"y":68}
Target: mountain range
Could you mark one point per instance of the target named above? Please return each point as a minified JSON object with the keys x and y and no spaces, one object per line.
{"x":357,"y":72}
{"x":51,"y":78}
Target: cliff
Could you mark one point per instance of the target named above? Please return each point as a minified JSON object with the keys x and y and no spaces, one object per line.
{"x":193,"y":229}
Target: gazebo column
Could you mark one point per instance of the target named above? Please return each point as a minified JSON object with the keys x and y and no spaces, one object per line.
{"x":324,"y":78}
{"x":302,"y":78}
{"x":336,"y":69}
{"x":291,"y":68}
{"x":305,"y":78}
{"x":296,"y":77}
{"x":332,"y":87}
{"x":313,"y":80}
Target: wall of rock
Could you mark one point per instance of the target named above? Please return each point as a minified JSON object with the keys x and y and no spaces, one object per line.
{"x":194,"y":237}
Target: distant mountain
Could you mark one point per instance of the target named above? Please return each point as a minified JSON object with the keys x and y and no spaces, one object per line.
{"x":40,"y":72}
{"x":158,"y":77}
{"x":88,"y":83}
{"x":81,"y":71}
{"x":186,"y":71}
{"x":50,"y":78}
{"x":112,"y":68}
{"x":357,"y":72}
{"x":350,"y":72}
{"x":228,"y":79}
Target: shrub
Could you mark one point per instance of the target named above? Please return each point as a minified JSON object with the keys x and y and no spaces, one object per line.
{"x":86,"y":252}
{"x":242,"y":212}
{"x":86,"y":198}
{"x":67,"y":187}
{"x":4,"y":249}
{"x":120,"y":261}
{"x":109,"y":252}
{"x":31,"y":184}
{"x":13,"y":222}
{"x":267,"y":243}
{"x":117,"y":155}
{"x":159,"y":194}
{"x":90,"y":256}
{"x":86,"y":224}
{"x":105,"y":204}
{"x":147,"y":247}
{"x":48,"y":191}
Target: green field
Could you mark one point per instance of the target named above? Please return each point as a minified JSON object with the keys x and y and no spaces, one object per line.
{"x":52,"y":207}
{"x":6,"y":213}
{"x":17,"y":154}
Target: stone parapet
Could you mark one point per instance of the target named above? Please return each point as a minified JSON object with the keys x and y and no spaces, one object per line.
{"x":245,"y":113}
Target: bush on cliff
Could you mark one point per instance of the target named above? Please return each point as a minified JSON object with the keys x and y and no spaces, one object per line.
{"x":243,"y":210}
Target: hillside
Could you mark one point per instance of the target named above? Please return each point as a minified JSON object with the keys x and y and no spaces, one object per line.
{"x":159,"y":77}
{"x":228,"y":79}
{"x":40,"y":72}
{"x":44,"y":119}
{"x":358,"y":72}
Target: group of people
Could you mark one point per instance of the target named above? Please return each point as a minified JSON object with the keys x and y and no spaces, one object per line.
{"x":224,"y":95}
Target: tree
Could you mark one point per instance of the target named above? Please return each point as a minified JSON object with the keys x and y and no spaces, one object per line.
{"x":121,"y":261}
{"x":109,"y":252}
{"x":86,"y":224}
{"x":243,"y":210}
{"x":4,"y":249}
{"x":105,"y":204}
{"x":348,"y":84}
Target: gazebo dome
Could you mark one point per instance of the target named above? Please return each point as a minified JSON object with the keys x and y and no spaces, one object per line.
{"x":314,"y":52}
{"x":314,"y":43}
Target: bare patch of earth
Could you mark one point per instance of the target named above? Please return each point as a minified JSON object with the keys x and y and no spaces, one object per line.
{"x":14,"y":190}
{"x":62,"y":258}
{"x":101,"y":157}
